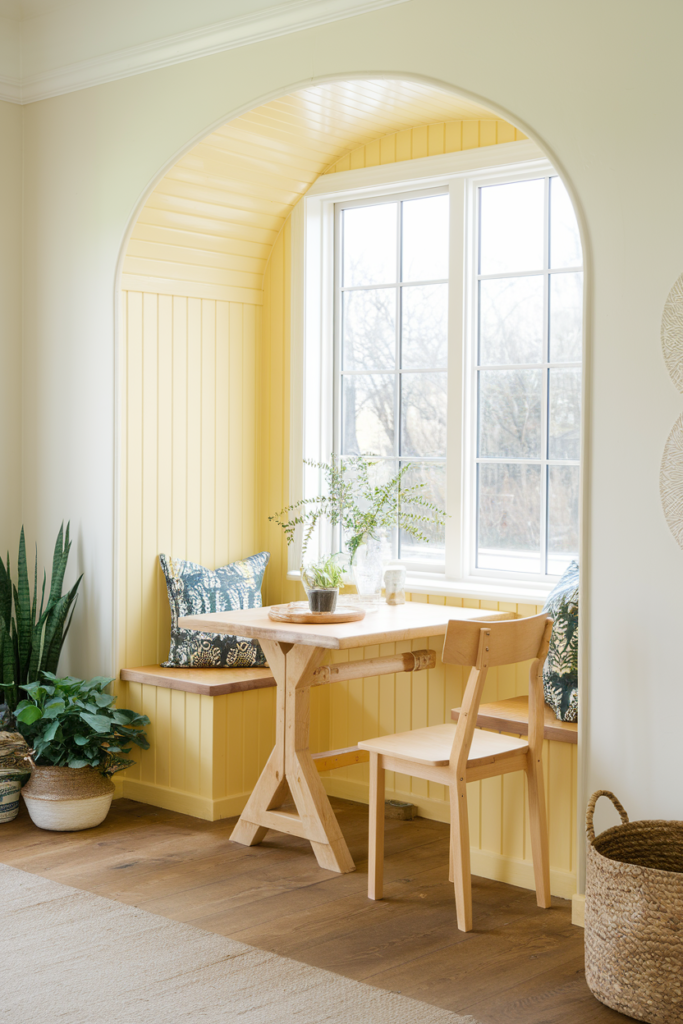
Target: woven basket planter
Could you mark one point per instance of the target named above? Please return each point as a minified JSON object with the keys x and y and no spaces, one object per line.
{"x":67,"y":799}
{"x":634,"y":916}
{"x":14,"y":770}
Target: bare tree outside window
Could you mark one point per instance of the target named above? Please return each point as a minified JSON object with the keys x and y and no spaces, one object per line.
{"x":528,"y":377}
{"x":393,"y":351}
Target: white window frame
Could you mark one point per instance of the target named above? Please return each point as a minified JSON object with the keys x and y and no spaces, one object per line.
{"x":312,"y":342}
{"x":499,"y":176}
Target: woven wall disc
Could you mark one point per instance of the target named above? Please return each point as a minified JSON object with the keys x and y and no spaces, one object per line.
{"x":671,"y":481}
{"x":672,"y":333}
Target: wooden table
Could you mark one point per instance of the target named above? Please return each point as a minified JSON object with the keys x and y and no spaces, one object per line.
{"x":294,"y":652}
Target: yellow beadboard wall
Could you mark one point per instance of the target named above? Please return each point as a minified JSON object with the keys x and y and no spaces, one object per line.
{"x":204,"y":456}
{"x":188,"y":446}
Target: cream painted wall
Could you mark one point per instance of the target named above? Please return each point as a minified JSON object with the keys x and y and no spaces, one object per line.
{"x":582,"y":80}
{"x":10,"y":326}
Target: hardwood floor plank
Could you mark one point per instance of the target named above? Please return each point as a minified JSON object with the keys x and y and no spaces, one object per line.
{"x":518,"y":964}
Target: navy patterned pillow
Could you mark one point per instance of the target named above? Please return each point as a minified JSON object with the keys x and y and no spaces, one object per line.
{"x":193,"y":590}
{"x":561,"y":670}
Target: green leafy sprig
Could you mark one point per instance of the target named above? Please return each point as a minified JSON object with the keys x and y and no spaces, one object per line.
{"x":73,"y":723}
{"x":363,"y":509}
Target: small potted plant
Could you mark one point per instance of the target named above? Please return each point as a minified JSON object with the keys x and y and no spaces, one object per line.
{"x":31,"y":639}
{"x":77,"y":738}
{"x":322,"y":580}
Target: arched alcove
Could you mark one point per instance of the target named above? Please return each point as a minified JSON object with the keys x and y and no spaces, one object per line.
{"x":204,"y":442}
{"x":204,"y":340}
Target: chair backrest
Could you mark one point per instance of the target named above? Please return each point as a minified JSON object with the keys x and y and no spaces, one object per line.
{"x":484,"y":645}
{"x":509,"y":641}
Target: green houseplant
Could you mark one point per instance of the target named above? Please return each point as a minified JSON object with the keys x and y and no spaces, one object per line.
{"x":322,"y":580}
{"x":364,"y":509}
{"x":32,"y":637}
{"x":78,"y":738}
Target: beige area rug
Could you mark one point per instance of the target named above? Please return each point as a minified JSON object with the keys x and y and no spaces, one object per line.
{"x":69,"y":957}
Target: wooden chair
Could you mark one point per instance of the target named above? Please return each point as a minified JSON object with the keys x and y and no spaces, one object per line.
{"x":455,"y":754}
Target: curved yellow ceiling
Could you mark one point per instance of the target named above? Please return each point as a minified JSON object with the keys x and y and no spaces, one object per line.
{"x":207,"y":229}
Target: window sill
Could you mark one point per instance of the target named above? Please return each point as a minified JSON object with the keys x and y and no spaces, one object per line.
{"x":481,"y":590}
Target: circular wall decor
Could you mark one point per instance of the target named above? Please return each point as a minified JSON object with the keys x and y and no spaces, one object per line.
{"x":672,"y":333}
{"x":671,"y":481}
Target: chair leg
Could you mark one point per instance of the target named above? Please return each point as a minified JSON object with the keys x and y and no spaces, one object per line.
{"x":538,"y":825}
{"x":460,"y":855}
{"x":376,"y":831}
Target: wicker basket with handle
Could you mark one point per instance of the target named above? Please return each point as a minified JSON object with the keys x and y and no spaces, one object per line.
{"x":634,"y":916}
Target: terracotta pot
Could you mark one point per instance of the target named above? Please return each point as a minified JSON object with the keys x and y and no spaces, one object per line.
{"x":67,"y":799}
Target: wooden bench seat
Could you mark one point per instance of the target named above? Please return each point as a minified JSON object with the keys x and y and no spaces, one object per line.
{"x":512,"y":715}
{"x":210,"y":681}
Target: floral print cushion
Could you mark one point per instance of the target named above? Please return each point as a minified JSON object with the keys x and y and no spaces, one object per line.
{"x":561,"y":670}
{"x":193,"y":590}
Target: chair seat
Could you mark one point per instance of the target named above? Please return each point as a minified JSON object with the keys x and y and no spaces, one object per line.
{"x":432,"y":746}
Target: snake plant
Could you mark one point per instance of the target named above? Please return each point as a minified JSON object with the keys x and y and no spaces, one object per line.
{"x":31,"y":637}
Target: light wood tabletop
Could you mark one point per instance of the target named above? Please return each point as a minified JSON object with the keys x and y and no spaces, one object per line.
{"x":294,"y":652}
{"x":388,"y":624}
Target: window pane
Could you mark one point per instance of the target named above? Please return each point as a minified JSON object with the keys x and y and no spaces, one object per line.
{"x":424,"y":326}
{"x":511,"y":320}
{"x":425,"y":239}
{"x":369,"y":329}
{"x":510,"y":413}
{"x":412,"y":549}
{"x":369,"y":245}
{"x":566,"y":314}
{"x":565,"y":241}
{"x":368,"y":414}
{"x":563,"y":517}
{"x":423,"y":414}
{"x":564,"y":394}
{"x":508,"y":531}
{"x":512,"y":219}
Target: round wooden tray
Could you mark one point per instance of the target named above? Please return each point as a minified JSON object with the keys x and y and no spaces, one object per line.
{"x":298,"y":611}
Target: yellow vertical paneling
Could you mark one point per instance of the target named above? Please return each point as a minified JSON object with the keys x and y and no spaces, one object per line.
{"x":133,"y":471}
{"x":164,"y":468}
{"x":453,"y":136}
{"x":207,"y":459}
{"x":428,"y":140}
{"x":435,"y":139}
{"x":470,"y":134}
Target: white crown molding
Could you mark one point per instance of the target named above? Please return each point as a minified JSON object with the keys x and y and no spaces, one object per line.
{"x":10,"y":89}
{"x":275,"y":21}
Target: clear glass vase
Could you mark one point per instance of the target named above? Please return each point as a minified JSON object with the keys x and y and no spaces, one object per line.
{"x":368,"y":568}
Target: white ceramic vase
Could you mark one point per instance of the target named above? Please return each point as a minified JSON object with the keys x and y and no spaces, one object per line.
{"x":67,"y":799}
{"x":368,"y":568}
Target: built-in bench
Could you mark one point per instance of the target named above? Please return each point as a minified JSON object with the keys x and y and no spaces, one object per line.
{"x":512,"y":715}
{"x":214,"y":682}
{"x":210,"y":681}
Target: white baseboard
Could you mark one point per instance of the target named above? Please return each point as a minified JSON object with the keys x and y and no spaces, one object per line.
{"x":184,"y":803}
